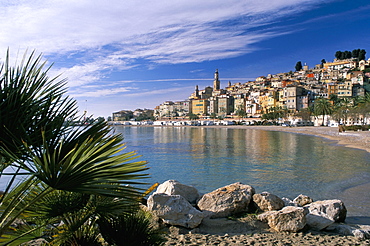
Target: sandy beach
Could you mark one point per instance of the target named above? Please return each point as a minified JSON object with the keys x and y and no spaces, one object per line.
{"x":244,"y":233}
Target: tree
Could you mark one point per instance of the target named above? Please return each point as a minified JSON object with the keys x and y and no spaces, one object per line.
{"x":298,"y":66}
{"x":241,"y":111}
{"x":323,"y":107}
{"x":338,"y":54}
{"x":355,"y":53}
{"x":193,"y":116}
{"x":347,"y":54}
{"x":100,"y":119}
{"x":305,"y":114}
{"x":213,"y":116}
{"x":323,"y":61}
{"x":362,"y":55}
{"x":39,"y":142}
{"x":274,"y":113}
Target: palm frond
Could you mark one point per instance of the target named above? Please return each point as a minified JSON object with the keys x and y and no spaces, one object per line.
{"x":95,"y":164}
{"x":31,"y":102}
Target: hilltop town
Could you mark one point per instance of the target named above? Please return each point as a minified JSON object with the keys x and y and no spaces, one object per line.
{"x":282,"y":95}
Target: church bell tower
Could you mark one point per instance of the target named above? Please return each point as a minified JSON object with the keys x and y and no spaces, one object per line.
{"x":216,"y":81}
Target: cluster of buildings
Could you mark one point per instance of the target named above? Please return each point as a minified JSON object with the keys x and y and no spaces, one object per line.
{"x":293,"y":91}
{"x":137,"y":115}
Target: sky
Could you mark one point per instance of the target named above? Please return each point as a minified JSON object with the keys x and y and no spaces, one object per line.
{"x":123,"y":55}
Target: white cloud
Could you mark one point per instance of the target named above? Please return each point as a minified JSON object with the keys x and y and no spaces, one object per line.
{"x":89,"y":39}
{"x":57,"y":26}
{"x":100,"y":92}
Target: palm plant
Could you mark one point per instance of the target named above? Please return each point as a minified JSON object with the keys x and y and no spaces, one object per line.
{"x":43,"y":154}
{"x":323,"y":107}
{"x":130,"y":229}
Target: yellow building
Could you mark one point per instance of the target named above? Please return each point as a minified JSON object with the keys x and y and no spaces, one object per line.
{"x":199,"y":106}
{"x":263,"y":101}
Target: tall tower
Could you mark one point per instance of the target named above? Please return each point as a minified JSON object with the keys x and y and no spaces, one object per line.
{"x":216,"y":81}
{"x":196,"y":92}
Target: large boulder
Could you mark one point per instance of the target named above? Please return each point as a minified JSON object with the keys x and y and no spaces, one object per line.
{"x":321,"y":214}
{"x":302,"y":200}
{"x":227,"y":200}
{"x":288,"y":219}
{"x":173,"y":187}
{"x":174,"y":210}
{"x":267,"y":202}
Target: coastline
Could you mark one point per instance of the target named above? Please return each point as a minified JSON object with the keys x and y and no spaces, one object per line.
{"x":351,"y":139}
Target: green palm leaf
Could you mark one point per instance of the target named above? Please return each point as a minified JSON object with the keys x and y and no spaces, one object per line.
{"x":95,"y":165}
{"x":37,"y":139}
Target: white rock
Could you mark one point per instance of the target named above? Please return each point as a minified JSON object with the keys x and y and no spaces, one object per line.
{"x":174,"y":210}
{"x":321,"y":214}
{"x":173,"y":187}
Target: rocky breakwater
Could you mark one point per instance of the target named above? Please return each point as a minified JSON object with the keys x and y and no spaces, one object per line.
{"x":183,"y":206}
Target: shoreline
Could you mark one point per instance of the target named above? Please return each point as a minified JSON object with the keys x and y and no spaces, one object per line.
{"x":350,"y":139}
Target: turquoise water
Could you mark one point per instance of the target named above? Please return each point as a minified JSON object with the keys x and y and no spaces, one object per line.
{"x":282,"y":163}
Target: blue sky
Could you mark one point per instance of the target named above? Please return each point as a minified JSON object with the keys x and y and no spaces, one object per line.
{"x":137,"y":54}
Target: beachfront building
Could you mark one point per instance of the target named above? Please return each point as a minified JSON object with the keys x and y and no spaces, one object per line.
{"x":213,"y":106}
{"x":199,"y":106}
{"x":225,"y":105}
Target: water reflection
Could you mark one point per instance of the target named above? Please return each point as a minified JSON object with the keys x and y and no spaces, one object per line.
{"x":283,"y":163}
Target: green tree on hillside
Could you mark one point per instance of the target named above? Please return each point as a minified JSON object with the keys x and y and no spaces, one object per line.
{"x":338,"y":55}
{"x":362,"y":55}
{"x":323,"y":61}
{"x":356,"y":53}
{"x":298,"y":66}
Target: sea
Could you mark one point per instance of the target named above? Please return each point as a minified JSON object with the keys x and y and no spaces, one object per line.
{"x":284,"y":164}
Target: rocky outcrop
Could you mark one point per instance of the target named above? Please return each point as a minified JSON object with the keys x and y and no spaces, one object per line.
{"x":172,"y":203}
{"x":227,"y":200}
{"x":267,"y":202}
{"x":288,"y":219}
{"x":321,"y":214}
{"x":173,"y":187}
{"x":174,"y":210}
